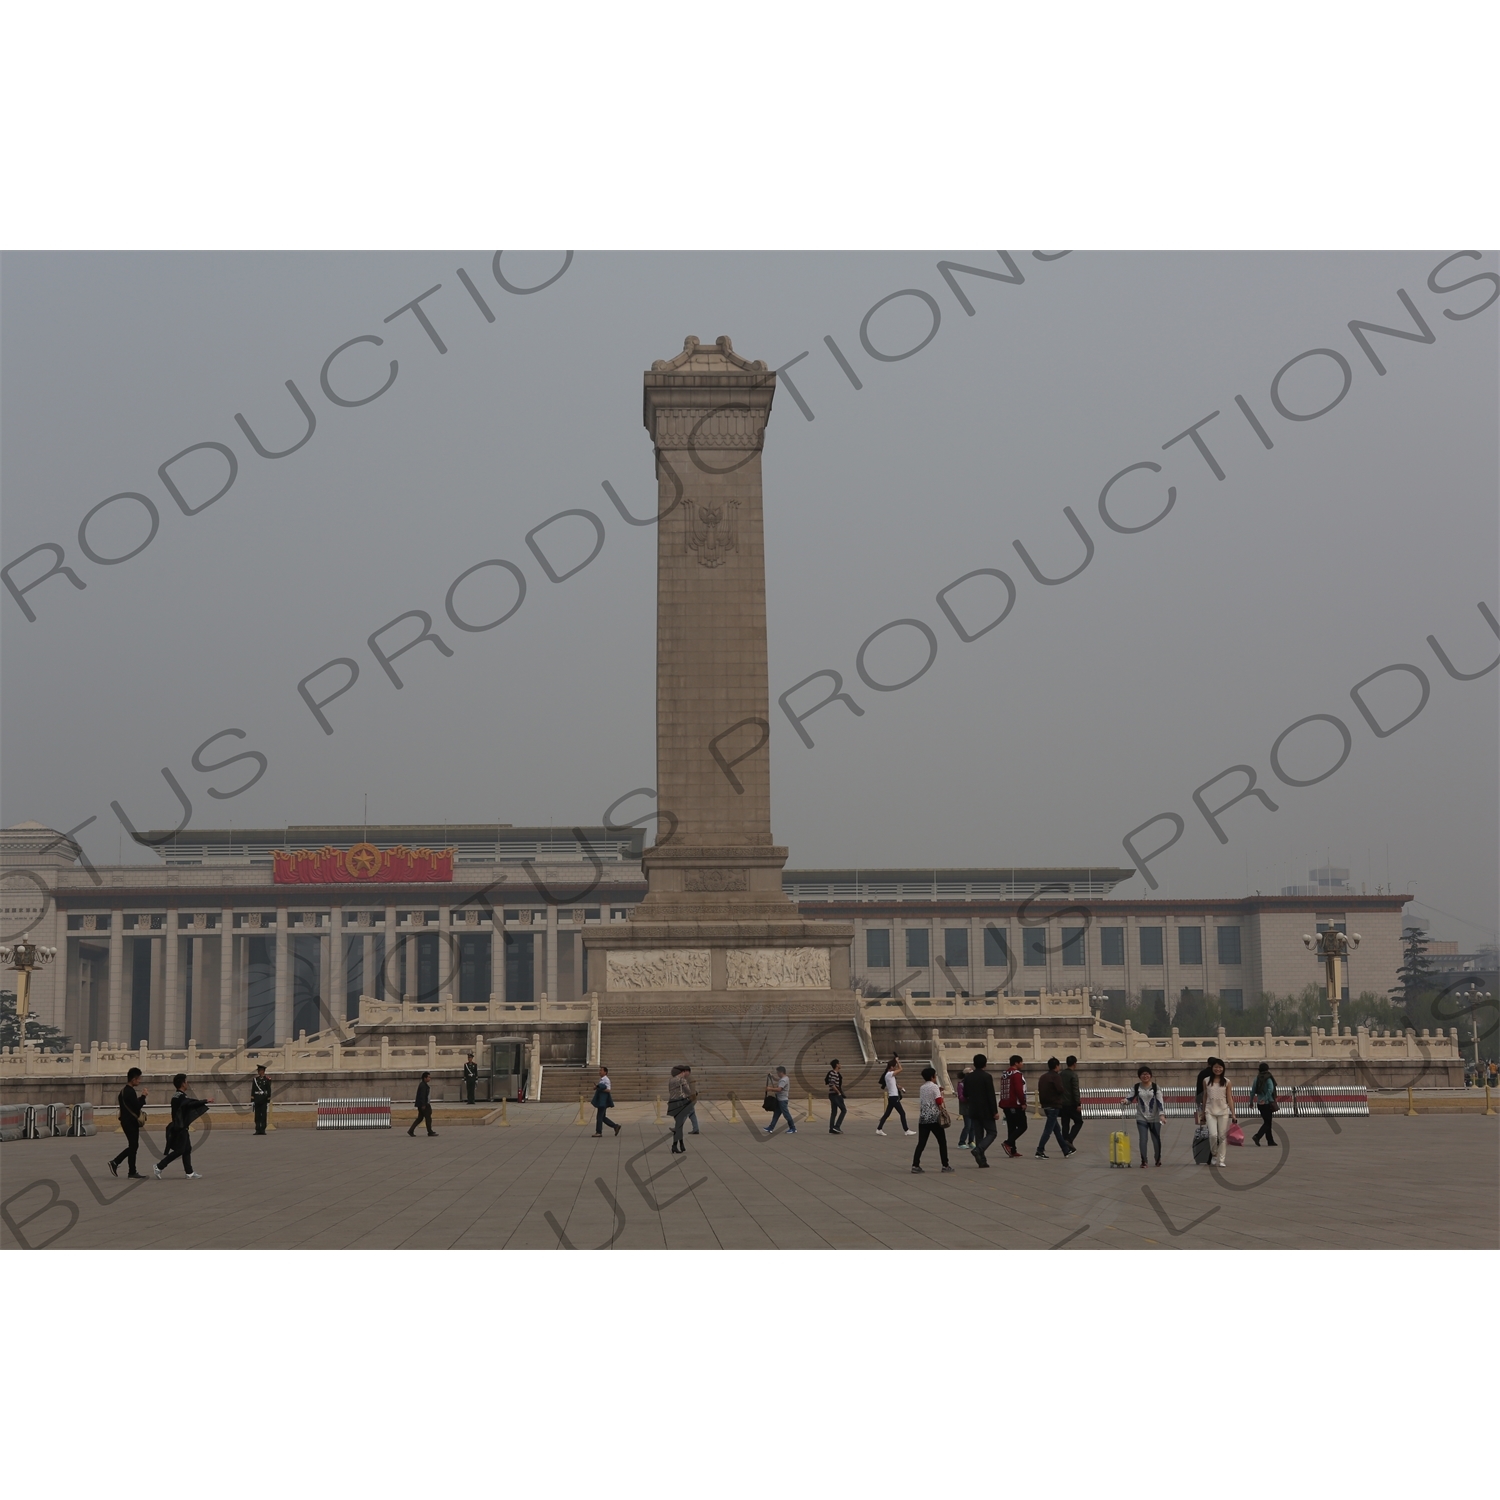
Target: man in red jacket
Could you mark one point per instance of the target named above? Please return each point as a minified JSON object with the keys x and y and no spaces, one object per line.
{"x":1013,"y":1104}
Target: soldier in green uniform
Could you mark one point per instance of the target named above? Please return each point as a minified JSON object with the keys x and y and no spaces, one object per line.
{"x":260,"y":1097}
{"x":471,"y":1077}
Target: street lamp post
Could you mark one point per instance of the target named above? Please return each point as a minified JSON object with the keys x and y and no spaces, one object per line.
{"x":1333,"y":948}
{"x":25,"y":958}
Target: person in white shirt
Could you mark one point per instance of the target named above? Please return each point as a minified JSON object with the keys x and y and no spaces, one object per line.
{"x":888,"y":1082}
{"x":781,"y":1087}
{"x":1217,"y":1111}
{"x":930,"y":1119}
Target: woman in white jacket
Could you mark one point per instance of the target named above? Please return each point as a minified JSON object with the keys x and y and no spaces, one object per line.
{"x":1150,"y":1109}
{"x":1217,"y":1111}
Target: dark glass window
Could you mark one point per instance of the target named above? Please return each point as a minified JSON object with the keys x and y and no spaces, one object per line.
{"x":1151,"y":951}
{"x":1072,"y":947}
{"x":1229,"y":946}
{"x":1190,"y":945}
{"x":996,"y":948}
{"x":1112,"y":946}
{"x":956,"y":945}
{"x":1034,"y":947}
{"x":1234,"y":999}
{"x":878,"y":948}
{"x":918,"y":949}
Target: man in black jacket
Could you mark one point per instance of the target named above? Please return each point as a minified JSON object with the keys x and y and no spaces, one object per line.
{"x":424,"y":1106}
{"x":185,"y":1110}
{"x":471,"y":1077}
{"x":979,"y":1098}
{"x":131,"y":1105}
{"x":260,"y":1098}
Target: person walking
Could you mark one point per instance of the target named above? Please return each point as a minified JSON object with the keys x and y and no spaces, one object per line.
{"x":837,"y":1108}
{"x":185,"y":1109}
{"x":979,"y":1095}
{"x":781,"y":1087}
{"x":1073,"y":1114}
{"x":603,"y":1101}
{"x":424,"y":1106}
{"x":930,"y":1114}
{"x":132,"y":1117}
{"x":1150,"y":1111}
{"x":471,"y":1077}
{"x":888,"y":1081}
{"x":1263,"y":1097}
{"x":1217,"y":1111}
{"x":260,"y":1098}
{"x":1013,"y":1104}
{"x":691,"y":1112}
{"x":681,"y":1095}
{"x":965,"y":1136}
{"x":1053,"y":1098}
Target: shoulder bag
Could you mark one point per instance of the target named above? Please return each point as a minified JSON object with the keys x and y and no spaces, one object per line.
{"x":944,"y":1119}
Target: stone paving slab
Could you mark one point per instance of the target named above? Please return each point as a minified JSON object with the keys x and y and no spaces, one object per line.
{"x":545,"y":1183}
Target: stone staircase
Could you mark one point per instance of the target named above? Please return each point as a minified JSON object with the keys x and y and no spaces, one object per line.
{"x":726,"y":1057}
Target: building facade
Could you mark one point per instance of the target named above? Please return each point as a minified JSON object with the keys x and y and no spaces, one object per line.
{"x":214,"y":943}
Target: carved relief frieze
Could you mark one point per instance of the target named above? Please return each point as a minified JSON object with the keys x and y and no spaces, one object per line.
{"x":714,"y":880}
{"x":659,"y":969}
{"x":778,"y":968}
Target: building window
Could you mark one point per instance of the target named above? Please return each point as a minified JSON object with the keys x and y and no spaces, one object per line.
{"x":1229,"y":946}
{"x":1150,"y":949}
{"x":1072,"y":947}
{"x":1328,"y":920}
{"x":1153,"y":997}
{"x":918,"y":949}
{"x":1233,"y":999}
{"x":996,"y":948}
{"x":877,"y":948}
{"x":1112,"y":947}
{"x":1034,"y":948}
{"x":1190,"y":945}
{"x":956,"y":946}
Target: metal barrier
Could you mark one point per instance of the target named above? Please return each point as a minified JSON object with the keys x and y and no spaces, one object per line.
{"x":52,"y":1119}
{"x":354,"y":1114}
{"x":1178,"y":1100}
{"x":81,"y":1120}
{"x":15,"y":1122}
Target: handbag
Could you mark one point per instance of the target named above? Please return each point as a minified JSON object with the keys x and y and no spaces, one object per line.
{"x":944,"y":1119}
{"x":769,"y":1103}
{"x":1235,"y":1136}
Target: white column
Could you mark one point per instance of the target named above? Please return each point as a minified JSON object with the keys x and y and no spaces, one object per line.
{"x":367,"y":964}
{"x":242,"y":990}
{"x":154,"y":1015}
{"x":283,"y":979}
{"x":497,"y":957}
{"x":445,"y":959}
{"x":338,"y":982}
{"x":553,"y":992}
{"x":325,"y":970}
{"x":116,"y":1028}
{"x":226,"y":977}
{"x":390,"y":989}
{"x":200,"y":993}
{"x":173,"y":1007}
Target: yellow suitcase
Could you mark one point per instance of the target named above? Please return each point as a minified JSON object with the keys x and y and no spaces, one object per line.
{"x":1119,"y":1149}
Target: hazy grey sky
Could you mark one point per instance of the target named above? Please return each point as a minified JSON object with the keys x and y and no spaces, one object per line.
{"x":1178,"y":652}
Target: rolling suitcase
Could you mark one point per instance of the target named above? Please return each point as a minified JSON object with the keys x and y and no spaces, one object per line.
{"x":1119,"y":1149}
{"x":1202,"y":1151}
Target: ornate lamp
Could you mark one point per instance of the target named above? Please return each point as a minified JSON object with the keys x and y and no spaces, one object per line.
{"x":25,"y":958}
{"x":1333,"y":948}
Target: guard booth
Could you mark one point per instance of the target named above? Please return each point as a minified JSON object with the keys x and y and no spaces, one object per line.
{"x":507,"y":1067}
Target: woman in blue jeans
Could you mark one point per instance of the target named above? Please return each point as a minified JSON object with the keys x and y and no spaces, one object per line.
{"x":781,"y":1086}
{"x":1149,"y":1110}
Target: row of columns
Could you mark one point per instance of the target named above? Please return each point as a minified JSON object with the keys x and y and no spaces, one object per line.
{"x":168,"y":1011}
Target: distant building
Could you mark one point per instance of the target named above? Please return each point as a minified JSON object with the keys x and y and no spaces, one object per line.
{"x":216,"y":943}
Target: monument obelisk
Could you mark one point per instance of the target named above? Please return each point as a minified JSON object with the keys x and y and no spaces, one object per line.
{"x":715,"y":920}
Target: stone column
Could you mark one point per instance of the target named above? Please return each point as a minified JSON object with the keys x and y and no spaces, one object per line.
{"x":283,"y":978}
{"x":445,"y":957}
{"x":390,"y":988}
{"x":497,"y":959}
{"x":338,"y":967}
{"x":242,"y":991}
{"x":197,"y":1030}
{"x":226,"y":977}
{"x":325,"y":978}
{"x":554,"y":992}
{"x":116,"y":1028}
{"x":366,"y":964}
{"x":155,"y":1024}
{"x":172,"y":1032}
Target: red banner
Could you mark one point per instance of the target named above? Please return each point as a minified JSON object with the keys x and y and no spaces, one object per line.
{"x":364,"y":862}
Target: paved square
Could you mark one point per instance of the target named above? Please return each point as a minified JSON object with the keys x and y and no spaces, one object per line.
{"x":1387,"y":1182}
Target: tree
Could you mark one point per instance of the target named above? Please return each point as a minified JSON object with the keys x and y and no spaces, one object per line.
{"x":1414,"y":978}
{"x":49,"y":1038}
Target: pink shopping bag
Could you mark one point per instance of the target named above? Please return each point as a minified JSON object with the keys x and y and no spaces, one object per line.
{"x":1236,"y":1136}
